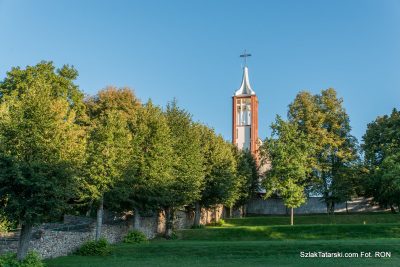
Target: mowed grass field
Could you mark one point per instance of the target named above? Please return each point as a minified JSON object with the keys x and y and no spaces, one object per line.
{"x":264,"y":241}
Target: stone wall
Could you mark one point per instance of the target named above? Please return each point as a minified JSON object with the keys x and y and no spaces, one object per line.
{"x":275,"y":206}
{"x":64,"y":239}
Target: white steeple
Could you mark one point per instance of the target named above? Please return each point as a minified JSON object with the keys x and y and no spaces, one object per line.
{"x":245,"y":88}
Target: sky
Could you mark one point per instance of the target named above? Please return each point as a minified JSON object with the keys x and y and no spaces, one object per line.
{"x":189,"y":50}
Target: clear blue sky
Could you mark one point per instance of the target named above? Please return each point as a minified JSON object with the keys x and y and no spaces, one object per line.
{"x":190,"y":50}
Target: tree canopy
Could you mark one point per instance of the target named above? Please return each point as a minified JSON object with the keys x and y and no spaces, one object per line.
{"x":324,"y":121}
{"x":290,"y":153}
{"x":41,"y":144}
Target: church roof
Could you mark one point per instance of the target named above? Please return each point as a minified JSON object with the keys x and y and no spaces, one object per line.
{"x":245,"y":88}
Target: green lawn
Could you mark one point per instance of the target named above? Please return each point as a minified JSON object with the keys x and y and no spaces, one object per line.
{"x":261,"y":245}
{"x":356,"y":218}
{"x":297,"y":232}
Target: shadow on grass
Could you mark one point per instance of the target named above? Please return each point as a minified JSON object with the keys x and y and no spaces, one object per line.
{"x":296,"y":232}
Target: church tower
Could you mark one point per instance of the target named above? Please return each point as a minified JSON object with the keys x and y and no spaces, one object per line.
{"x":245,"y":116}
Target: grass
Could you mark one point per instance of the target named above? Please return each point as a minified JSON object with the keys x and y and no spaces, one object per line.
{"x":356,"y":218}
{"x":297,"y":232}
{"x":255,"y":242}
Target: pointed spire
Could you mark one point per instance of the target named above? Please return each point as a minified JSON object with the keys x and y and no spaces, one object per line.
{"x":245,"y":88}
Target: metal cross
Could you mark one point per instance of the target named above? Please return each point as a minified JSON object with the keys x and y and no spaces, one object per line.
{"x":245,"y":55}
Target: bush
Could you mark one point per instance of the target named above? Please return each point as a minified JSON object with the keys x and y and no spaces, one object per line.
{"x":10,"y":260}
{"x":95,"y":248}
{"x":135,"y":237}
{"x":5,"y":225}
{"x":200,"y":226}
{"x":220,"y":222}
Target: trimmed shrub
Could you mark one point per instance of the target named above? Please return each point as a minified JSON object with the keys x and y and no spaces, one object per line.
{"x":32,"y":259}
{"x":95,"y":248}
{"x":135,"y":237}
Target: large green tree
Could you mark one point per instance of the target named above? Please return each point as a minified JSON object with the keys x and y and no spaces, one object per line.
{"x":382,"y":148}
{"x":382,"y":138}
{"x":222,"y":185}
{"x":108,"y":151}
{"x":41,"y":144}
{"x":291,"y":155}
{"x":325,"y":122}
{"x":150,"y":174}
{"x":247,"y":175}
{"x":386,"y":182}
{"x":187,"y":167}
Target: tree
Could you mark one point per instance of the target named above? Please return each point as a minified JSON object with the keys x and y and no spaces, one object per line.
{"x":290,"y":153}
{"x":221,"y":184}
{"x":381,"y":139}
{"x":41,"y":143}
{"x":386,"y":182}
{"x":382,"y":148}
{"x":187,"y":167}
{"x":325,"y":122}
{"x":150,"y":173}
{"x":109,"y":138}
{"x":248,"y":176}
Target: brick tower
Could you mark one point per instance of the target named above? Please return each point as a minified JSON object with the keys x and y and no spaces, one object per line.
{"x":245,"y":116}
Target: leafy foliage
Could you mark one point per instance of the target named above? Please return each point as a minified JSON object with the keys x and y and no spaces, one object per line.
{"x":135,"y":237}
{"x":100,"y":247}
{"x":42,"y":143}
{"x":32,"y":259}
{"x":290,"y":153}
{"x":382,"y":138}
{"x":384,"y":184}
{"x":325,"y":123}
{"x":5,"y":224}
{"x":382,"y":158}
{"x":150,"y":173}
{"x":219,"y":223}
{"x":187,"y":168}
{"x":221,"y":182}
{"x":247,"y":175}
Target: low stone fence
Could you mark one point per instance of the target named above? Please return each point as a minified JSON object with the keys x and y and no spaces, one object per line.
{"x":63,"y":239}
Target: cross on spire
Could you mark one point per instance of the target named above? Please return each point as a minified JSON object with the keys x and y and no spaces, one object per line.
{"x":244,"y":56}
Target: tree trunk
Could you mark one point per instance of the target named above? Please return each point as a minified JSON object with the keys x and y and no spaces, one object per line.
{"x":392,"y":209}
{"x":330,"y":206}
{"x":89,"y":209}
{"x":169,"y":220}
{"x":136,"y":219}
{"x":99,"y":222}
{"x":23,"y":244}
{"x":291,"y":216}
{"x":347,"y":209}
{"x":197,"y":214}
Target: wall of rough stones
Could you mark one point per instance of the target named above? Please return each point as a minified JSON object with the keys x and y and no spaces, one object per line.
{"x":63,"y":240}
